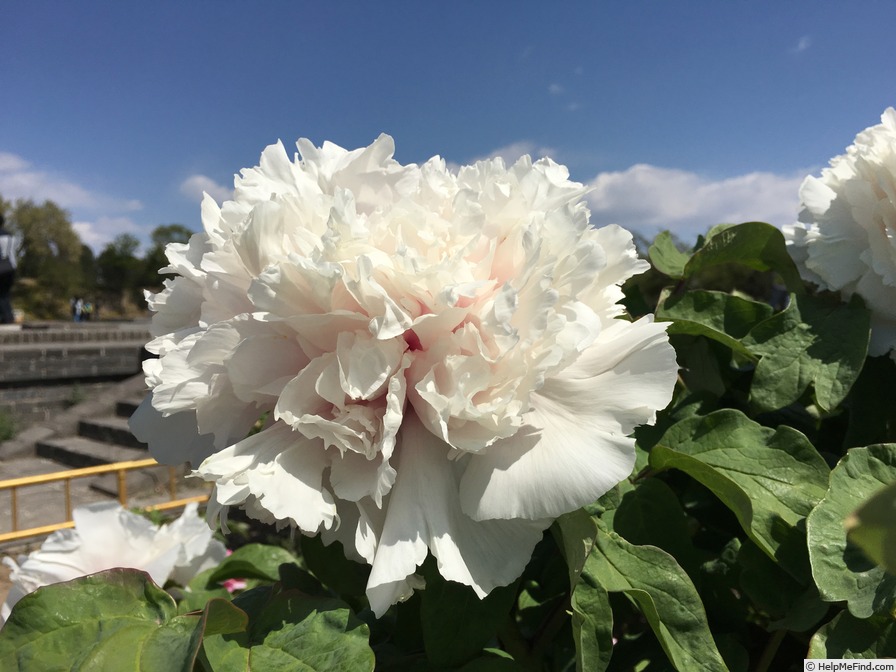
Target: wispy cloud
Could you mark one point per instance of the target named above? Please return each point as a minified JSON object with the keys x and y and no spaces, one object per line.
{"x":20,"y":179}
{"x":555,"y":89}
{"x":648,"y":199}
{"x":194,"y":186}
{"x":802,"y":45}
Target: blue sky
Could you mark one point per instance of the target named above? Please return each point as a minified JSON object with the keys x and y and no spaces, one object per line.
{"x":680,"y":115}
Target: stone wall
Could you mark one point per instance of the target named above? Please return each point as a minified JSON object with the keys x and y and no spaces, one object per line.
{"x":45,"y":370}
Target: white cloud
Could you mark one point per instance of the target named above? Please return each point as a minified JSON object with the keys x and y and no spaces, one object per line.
{"x":19,"y":179}
{"x":98,"y":233}
{"x":648,"y":199}
{"x":194,"y":186}
{"x":804,"y":43}
{"x":555,"y":89}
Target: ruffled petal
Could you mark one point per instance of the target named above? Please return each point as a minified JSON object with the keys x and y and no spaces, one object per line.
{"x":423,"y":511}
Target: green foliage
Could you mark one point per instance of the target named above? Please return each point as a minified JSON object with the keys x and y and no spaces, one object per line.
{"x":770,"y":479}
{"x":840,"y":568}
{"x":55,"y":265}
{"x":747,"y":538}
{"x":8,"y":426}
{"x":49,"y":269}
{"x":872,"y":527}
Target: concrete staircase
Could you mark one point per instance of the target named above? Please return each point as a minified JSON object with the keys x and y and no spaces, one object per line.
{"x":106,"y":439}
{"x":91,"y":432}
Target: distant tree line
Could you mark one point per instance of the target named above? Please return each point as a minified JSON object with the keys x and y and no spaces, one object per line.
{"x":55,"y":265}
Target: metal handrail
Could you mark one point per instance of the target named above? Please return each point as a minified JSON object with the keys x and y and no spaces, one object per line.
{"x":119,"y":468}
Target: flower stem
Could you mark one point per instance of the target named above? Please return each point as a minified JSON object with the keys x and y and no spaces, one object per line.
{"x":771,"y":648}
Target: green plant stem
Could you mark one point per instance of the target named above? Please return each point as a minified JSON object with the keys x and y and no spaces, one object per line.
{"x":771,"y":648}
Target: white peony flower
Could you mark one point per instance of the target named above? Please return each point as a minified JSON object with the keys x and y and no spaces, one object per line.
{"x":436,"y":358}
{"x":846,"y":238}
{"x":106,"y":536}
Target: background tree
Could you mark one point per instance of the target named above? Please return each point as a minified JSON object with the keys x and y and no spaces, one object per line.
{"x":49,"y":266}
{"x":155,"y":257}
{"x":119,"y":273}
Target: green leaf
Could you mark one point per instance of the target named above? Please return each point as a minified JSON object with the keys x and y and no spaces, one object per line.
{"x":252,"y":561}
{"x":195,"y":600}
{"x":666,"y":257}
{"x":849,"y":637}
{"x":289,"y":630}
{"x":329,"y":564}
{"x":756,"y":245}
{"x":592,"y":615}
{"x":664,"y":594}
{"x":457,"y":624}
{"x":840,"y":568}
{"x":770,"y":479}
{"x":651,"y":514}
{"x":722,"y":317}
{"x":788,"y":604}
{"x":873,"y":527}
{"x":814,"y":341}
{"x":110,"y":621}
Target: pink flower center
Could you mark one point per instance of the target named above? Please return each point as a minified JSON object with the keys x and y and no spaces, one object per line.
{"x":412,"y":340}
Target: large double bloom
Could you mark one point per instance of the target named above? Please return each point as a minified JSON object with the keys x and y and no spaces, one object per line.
{"x":434,"y":358}
{"x":846,"y":238}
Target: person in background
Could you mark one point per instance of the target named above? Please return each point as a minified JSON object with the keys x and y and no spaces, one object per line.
{"x":77,"y":304}
{"x":7,"y":272}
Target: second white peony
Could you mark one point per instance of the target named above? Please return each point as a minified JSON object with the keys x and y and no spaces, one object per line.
{"x":434,"y":361}
{"x":846,"y":238}
{"x":106,"y":536}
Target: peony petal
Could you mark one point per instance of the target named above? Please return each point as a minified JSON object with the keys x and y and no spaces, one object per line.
{"x":282,"y":470}
{"x":172,"y":439}
{"x":423,"y":511}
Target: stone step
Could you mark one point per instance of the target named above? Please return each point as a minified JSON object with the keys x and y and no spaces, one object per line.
{"x":78,"y":451}
{"x":125,"y":408}
{"x":110,"y":429}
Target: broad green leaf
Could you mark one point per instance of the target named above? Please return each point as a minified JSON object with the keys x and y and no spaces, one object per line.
{"x":788,"y":604}
{"x":770,"y":479}
{"x":873,"y":527}
{"x":664,"y":594}
{"x":814,"y":341}
{"x":756,"y":245}
{"x":725,"y":318}
{"x":840,"y":568}
{"x":110,"y":621}
{"x":252,"y":561}
{"x":701,"y":370}
{"x":289,"y":630}
{"x":592,"y":616}
{"x":666,"y":257}
{"x":651,"y":514}
{"x":457,"y":624}
{"x":329,"y":564}
{"x":846,"y":636}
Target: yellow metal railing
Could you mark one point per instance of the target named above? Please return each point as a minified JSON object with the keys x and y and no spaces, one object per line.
{"x":67,"y":476}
